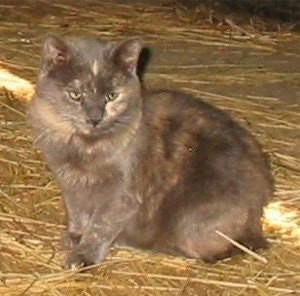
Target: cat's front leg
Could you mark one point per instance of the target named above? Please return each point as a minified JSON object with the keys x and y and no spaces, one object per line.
{"x":77,"y":217}
{"x":106,"y":222}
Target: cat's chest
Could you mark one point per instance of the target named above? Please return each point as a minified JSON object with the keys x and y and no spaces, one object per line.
{"x":86,"y":168}
{"x":101,"y":163}
{"x":79,"y":174}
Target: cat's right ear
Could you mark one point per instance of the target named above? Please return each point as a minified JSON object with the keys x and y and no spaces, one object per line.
{"x":126,"y":54}
{"x":55,"y":51}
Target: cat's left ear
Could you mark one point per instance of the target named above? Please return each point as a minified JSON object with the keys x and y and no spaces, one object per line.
{"x":55,"y":50}
{"x":126,"y":54}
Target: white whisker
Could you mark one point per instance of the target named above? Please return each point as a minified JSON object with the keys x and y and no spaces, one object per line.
{"x":48,"y":129}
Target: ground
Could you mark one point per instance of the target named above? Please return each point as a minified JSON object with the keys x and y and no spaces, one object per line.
{"x":252,"y":75}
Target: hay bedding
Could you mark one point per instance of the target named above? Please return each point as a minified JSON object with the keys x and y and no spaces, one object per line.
{"x":31,"y":215}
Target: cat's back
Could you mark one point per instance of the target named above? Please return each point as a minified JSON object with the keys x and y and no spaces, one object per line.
{"x":203,"y":143}
{"x":169,"y":111}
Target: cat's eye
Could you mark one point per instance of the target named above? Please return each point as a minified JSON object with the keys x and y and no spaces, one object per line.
{"x":75,"y":95}
{"x":111,"y":96}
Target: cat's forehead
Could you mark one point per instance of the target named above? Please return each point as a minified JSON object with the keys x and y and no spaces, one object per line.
{"x":93,"y":55}
{"x":95,"y":67}
{"x":97,"y":63}
{"x":96,"y":82}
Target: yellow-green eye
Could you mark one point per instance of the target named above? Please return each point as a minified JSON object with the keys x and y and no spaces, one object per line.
{"x":111,"y":96}
{"x":75,"y":95}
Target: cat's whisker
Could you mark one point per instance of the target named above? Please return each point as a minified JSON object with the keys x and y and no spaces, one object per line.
{"x":68,"y":116}
{"x":49,"y":130}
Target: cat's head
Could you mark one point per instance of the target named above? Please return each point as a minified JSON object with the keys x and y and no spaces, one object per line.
{"x":90,"y":86}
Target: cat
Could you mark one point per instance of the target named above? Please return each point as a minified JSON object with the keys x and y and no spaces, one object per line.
{"x":159,"y":170}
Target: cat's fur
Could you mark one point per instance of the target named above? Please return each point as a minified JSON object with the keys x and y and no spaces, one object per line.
{"x":160,"y":171}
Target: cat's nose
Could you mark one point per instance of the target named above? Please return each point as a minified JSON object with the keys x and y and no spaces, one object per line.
{"x":93,"y":121}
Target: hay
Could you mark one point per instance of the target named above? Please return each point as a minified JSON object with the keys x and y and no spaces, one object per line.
{"x":222,"y":69}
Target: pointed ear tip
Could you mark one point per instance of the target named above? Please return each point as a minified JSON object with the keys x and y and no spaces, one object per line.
{"x":138,"y":40}
{"x":51,"y":38}
{"x":135,"y":40}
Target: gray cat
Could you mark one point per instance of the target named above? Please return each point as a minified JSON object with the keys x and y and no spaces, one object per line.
{"x":160,"y":171}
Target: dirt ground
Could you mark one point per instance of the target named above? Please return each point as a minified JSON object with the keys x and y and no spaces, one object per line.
{"x":252,"y":75}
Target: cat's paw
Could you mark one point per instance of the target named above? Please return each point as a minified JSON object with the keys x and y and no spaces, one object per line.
{"x":85,"y":255}
{"x":78,"y":259}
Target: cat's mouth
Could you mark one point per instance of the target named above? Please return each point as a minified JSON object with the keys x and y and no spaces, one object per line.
{"x":91,"y":131}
